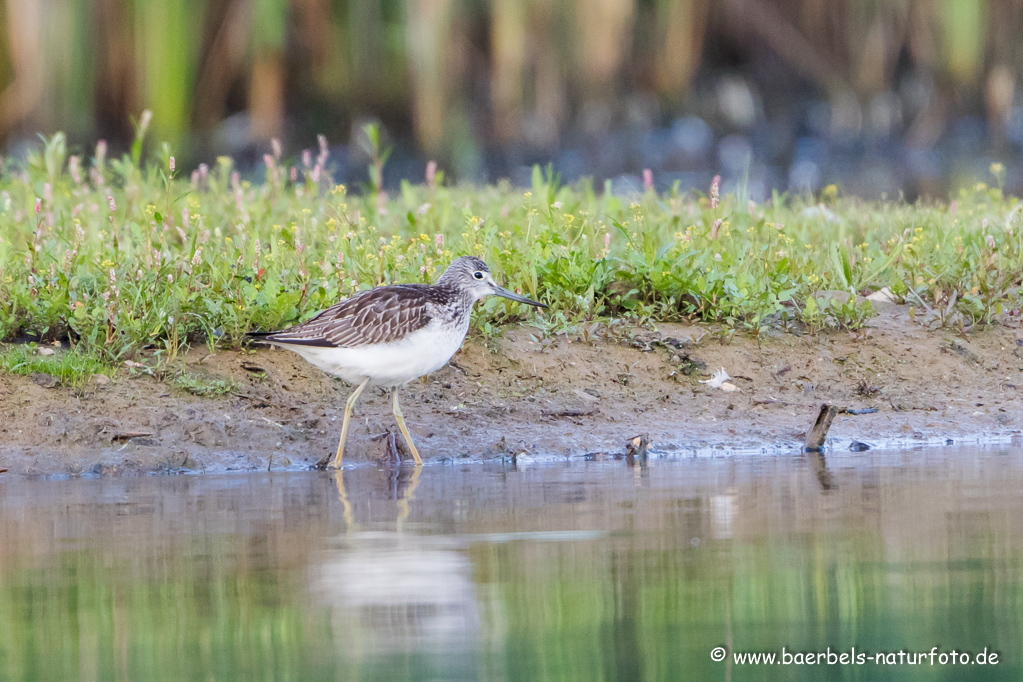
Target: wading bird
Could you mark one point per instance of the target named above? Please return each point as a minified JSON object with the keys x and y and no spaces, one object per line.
{"x":393,"y":334}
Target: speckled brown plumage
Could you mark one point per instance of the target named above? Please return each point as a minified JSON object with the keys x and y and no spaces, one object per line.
{"x":378,"y":315}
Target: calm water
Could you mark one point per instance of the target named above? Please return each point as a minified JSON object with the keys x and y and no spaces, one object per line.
{"x":581,"y":571}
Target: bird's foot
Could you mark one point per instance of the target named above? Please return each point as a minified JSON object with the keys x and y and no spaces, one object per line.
{"x":325,"y":464}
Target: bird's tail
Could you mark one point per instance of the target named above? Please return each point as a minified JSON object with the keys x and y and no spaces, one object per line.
{"x":259,"y":337}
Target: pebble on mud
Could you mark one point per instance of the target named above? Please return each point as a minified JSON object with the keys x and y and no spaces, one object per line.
{"x":44,"y":380}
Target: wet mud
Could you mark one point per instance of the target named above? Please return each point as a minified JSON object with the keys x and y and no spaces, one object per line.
{"x":521,"y":395}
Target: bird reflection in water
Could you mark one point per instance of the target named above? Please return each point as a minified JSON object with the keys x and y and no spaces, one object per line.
{"x":393,"y":591}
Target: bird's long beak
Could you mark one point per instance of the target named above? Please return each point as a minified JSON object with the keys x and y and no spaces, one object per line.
{"x":504,"y":293}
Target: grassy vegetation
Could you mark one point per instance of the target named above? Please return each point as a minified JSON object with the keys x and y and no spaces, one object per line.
{"x":117,"y":256}
{"x":205,"y":386}
{"x":71,"y":368}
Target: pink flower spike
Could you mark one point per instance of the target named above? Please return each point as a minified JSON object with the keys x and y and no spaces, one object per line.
{"x":172,"y":164}
{"x":715,"y":195}
{"x":74,"y":167}
{"x":648,"y":179}
{"x":39,"y":205}
{"x":269,"y":161}
{"x":431,"y":174}
{"x":112,"y":203}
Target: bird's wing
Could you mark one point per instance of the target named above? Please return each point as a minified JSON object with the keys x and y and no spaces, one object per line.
{"x":378,"y":315}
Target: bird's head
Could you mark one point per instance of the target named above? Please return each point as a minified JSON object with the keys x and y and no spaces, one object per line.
{"x":470,"y":274}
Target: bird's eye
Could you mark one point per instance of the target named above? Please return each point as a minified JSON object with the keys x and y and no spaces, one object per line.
{"x":478,"y":274}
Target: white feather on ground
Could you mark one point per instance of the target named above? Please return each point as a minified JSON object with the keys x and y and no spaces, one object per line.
{"x":720,"y":379}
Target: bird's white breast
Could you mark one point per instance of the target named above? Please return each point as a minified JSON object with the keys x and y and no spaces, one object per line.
{"x":389,"y":364}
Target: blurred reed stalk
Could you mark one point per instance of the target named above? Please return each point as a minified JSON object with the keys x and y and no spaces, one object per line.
{"x":453,"y":71}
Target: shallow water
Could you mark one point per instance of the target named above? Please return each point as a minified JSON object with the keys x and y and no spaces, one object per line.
{"x":582,"y":571}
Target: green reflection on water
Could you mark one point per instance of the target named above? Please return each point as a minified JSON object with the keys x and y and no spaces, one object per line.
{"x":556,"y":572}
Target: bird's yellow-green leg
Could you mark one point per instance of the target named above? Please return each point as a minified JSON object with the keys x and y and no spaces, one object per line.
{"x":400,"y":418}
{"x":336,"y":463}
{"x":339,"y":479}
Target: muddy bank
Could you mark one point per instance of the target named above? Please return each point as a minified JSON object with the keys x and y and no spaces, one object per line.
{"x":520,"y":395}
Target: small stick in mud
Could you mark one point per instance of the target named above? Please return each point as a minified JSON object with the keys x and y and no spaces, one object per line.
{"x":572,"y":412}
{"x":819,"y":431}
{"x":131,"y":434}
{"x":392,"y":446}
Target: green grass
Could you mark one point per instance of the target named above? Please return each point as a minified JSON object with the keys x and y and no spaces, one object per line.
{"x":69,"y":368}
{"x":121,"y":258}
{"x":205,"y":386}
